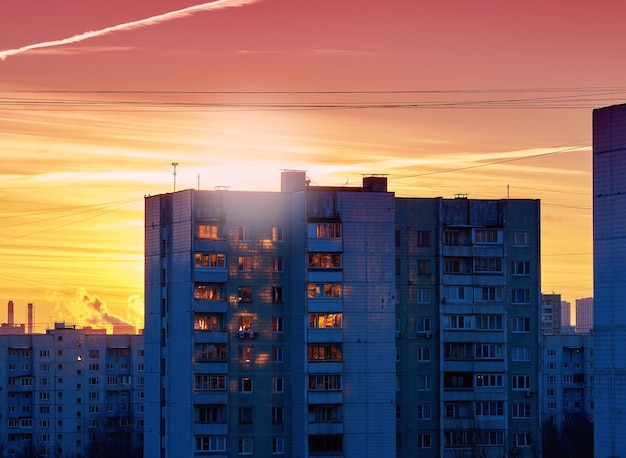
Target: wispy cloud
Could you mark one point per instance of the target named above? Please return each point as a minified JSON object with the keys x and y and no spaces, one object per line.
{"x":152,"y":20}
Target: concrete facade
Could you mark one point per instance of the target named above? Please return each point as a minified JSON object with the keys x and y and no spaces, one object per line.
{"x":609,"y":252}
{"x":468,"y":281}
{"x":270,"y":322}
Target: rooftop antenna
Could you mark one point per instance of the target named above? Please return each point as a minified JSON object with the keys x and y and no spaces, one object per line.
{"x":174,"y":164}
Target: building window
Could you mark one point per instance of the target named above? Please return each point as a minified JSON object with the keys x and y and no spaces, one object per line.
{"x":423,"y":238}
{"x":452,"y":266}
{"x":489,"y":408}
{"x":93,"y":380}
{"x":244,"y":234}
{"x":207,"y":231}
{"x":521,"y":239}
{"x":245,"y":384}
{"x":325,"y":413}
{"x":277,"y":324}
{"x":521,"y":267}
{"x":521,"y":382}
{"x":488,"y":380}
{"x":324,"y":290}
{"x":458,"y":351}
{"x":423,"y":296}
{"x":246,"y":446}
{"x":522,"y":439}
{"x":210,"y":352}
{"x":325,"y":320}
{"x":209,"y":292}
{"x":521,"y":410}
{"x":424,"y":411}
{"x":44,"y":353}
{"x":489,"y":351}
{"x":324,"y":352}
{"x":277,"y":354}
{"x":457,"y":322}
{"x":278,"y":446}
{"x":211,"y":260}
{"x":551,"y":393}
{"x":328,"y":230}
{"x":488,"y":438}
{"x":211,"y":443}
{"x":451,"y":237}
{"x":423,"y":325}
{"x":245,"y":354}
{"x":244,"y":294}
{"x":278,"y":385}
{"x":278,"y":415}
{"x":277,"y":264}
{"x":245,"y":415}
{"x":457,"y":410}
{"x":325,"y":260}
{"x":519,"y":324}
{"x":210,"y":382}
{"x":488,"y":265}
{"x":244,"y":263}
{"x":208,"y":322}
{"x":520,"y":296}
{"x":457,"y":294}
{"x":489,"y":322}
{"x":424,"y":440}
{"x":325,"y":382}
{"x":486,"y":236}
{"x":453,"y":439}
{"x":277,"y":293}
{"x":423,"y":354}
{"x":245,"y":323}
{"x":551,"y":378}
{"x":423,"y":267}
{"x":210,"y":414}
{"x":277,"y":234}
{"x":520,"y":353}
{"x":488,"y":294}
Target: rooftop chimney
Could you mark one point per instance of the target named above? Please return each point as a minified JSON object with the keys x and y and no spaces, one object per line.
{"x":11,"y":317}
{"x":30,"y":317}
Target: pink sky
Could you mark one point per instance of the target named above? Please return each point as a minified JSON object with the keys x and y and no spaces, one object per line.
{"x":518,"y":79}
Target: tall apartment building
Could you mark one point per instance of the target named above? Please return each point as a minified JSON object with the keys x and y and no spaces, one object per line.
{"x":269,"y":324}
{"x":566,"y":314}
{"x":291,"y":324}
{"x":468,"y":282}
{"x":609,"y":252}
{"x":551,"y":314}
{"x":584,"y":315}
{"x":69,"y":392}
{"x":568,"y":380}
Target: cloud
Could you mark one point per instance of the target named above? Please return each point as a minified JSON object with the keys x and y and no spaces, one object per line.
{"x":152,"y":20}
{"x":89,"y":310}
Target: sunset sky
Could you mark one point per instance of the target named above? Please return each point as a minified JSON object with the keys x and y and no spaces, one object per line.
{"x":486,"y":98}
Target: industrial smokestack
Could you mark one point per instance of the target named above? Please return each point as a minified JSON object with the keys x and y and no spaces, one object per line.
{"x":11,"y":317}
{"x":30,"y":317}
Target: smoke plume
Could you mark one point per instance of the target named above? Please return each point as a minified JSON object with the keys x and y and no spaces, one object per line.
{"x":218,"y":4}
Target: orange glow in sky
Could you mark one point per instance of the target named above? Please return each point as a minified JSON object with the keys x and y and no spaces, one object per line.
{"x":490,"y":99}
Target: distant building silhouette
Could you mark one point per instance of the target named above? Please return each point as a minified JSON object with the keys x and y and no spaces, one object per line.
{"x":551,"y":314}
{"x":566,"y":314}
{"x":584,"y":315}
{"x":69,"y":391}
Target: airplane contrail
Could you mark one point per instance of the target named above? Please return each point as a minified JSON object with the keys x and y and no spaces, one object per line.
{"x":218,"y":4}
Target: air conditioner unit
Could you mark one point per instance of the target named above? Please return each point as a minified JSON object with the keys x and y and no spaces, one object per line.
{"x":428,"y":335}
{"x":529,"y":394}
